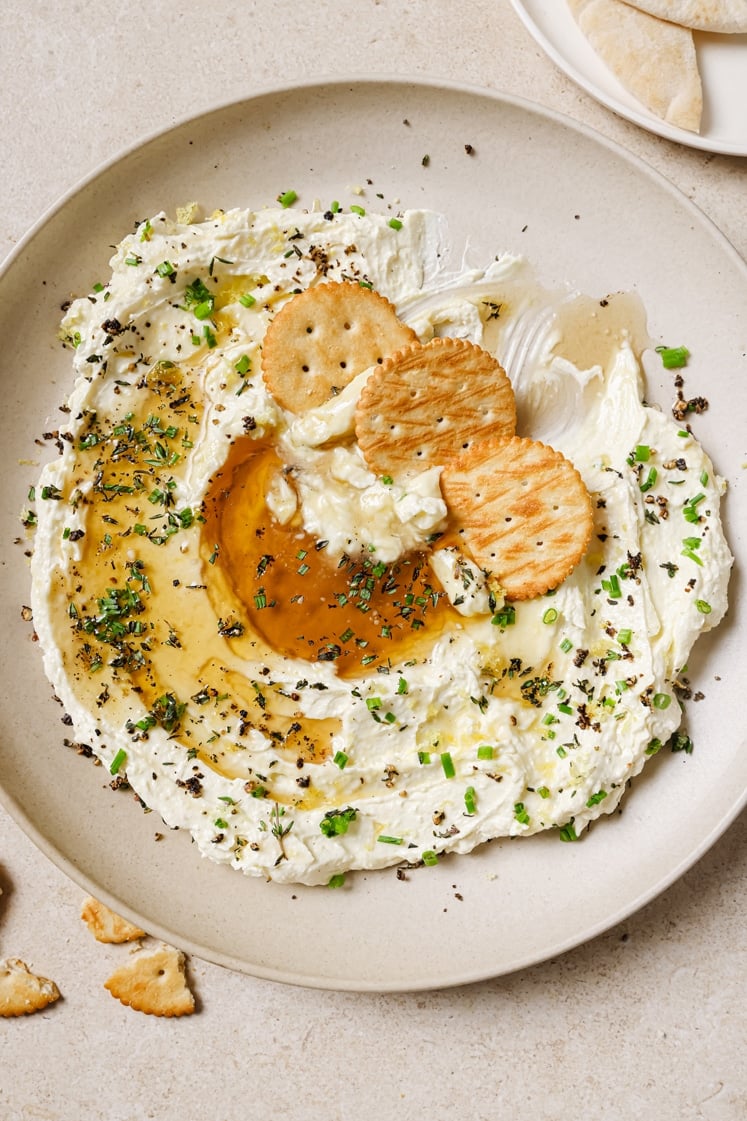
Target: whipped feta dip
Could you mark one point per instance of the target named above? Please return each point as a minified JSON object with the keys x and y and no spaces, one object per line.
{"x":204,"y":561}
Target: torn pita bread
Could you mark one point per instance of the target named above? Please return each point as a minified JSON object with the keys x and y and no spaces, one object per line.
{"x":155,"y":984}
{"x":728,"y":17}
{"x":107,"y":926}
{"x":21,"y":991}
{"x":654,"y":60}
{"x":522,"y":511}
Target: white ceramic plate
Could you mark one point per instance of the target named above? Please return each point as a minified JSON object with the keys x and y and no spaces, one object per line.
{"x":722,"y":60}
{"x":584,"y":211}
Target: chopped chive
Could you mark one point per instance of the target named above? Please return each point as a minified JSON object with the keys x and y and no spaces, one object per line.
{"x":543,"y":791}
{"x":243,"y":365}
{"x":566,"y":645}
{"x":470,"y":800}
{"x":247,"y":300}
{"x":287,"y":198}
{"x":219,"y":823}
{"x":337,"y":880}
{"x":448,"y":764}
{"x":402,"y":687}
{"x":395,"y":223}
{"x":430,"y":858}
{"x":521,"y":814}
{"x":662,"y":701}
{"x":703,"y":606}
{"x":334,"y":206}
{"x":624,"y":636}
{"x":424,"y":757}
{"x":595,"y":799}
{"x":650,"y":480}
{"x":653,"y":747}
{"x":642,"y":453}
{"x":340,"y":759}
{"x":373,"y":703}
{"x":117,"y":762}
{"x":385,"y":839}
{"x":673,"y":357}
{"x":358,"y":210}
{"x":505,"y":617}
{"x":550,"y":615}
{"x":485,"y":751}
{"x":568,"y":832}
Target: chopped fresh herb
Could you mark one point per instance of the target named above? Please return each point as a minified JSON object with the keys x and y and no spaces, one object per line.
{"x":337,"y":880}
{"x":703,"y":606}
{"x":470,"y":800}
{"x":287,"y":198}
{"x":448,"y":764}
{"x":118,"y":762}
{"x":521,"y":814}
{"x":385,"y":839}
{"x":653,"y":747}
{"x":505,"y":616}
{"x":358,"y":210}
{"x":429,"y":858}
{"x":336,"y":822}
{"x":395,"y":223}
{"x":662,"y":700}
{"x":550,"y":615}
{"x":485,"y":751}
{"x":673,"y":357}
{"x":340,"y":760}
{"x":595,"y":799}
{"x":568,"y":832}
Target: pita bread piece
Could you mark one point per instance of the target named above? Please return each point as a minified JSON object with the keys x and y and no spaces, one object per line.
{"x":323,"y":338}
{"x":107,"y":926}
{"x":727,"y":17}
{"x":654,"y":60}
{"x":429,"y":402}
{"x":21,"y":991}
{"x":154,"y":983}
{"x":522,"y":511}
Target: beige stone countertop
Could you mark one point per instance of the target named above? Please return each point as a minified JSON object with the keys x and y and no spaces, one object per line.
{"x":646,"y":1021}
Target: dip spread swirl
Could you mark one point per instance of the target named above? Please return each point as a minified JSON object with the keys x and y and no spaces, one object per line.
{"x":270,"y":642}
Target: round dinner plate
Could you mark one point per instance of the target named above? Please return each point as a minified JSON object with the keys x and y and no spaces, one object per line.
{"x":510,"y":177}
{"x":722,"y":61}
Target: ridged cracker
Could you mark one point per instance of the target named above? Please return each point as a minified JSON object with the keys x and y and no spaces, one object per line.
{"x":430,"y":402}
{"x":522,"y":511}
{"x":154,"y":983}
{"x":21,"y":991}
{"x":106,"y":925}
{"x":323,"y":338}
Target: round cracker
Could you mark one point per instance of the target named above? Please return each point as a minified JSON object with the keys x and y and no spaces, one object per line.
{"x":430,"y":402}
{"x":323,"y":338}
{"x":522,"y":511}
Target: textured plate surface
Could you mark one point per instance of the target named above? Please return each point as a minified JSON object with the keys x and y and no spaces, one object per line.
{"x":533,"y":183}
{"x":722,"y":60}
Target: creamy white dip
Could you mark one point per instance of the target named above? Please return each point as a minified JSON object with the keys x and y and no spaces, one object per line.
{"x":510,"y":720}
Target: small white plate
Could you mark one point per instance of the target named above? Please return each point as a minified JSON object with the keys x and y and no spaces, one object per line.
{"x":510,"y":177}
{"x":722,"y":60}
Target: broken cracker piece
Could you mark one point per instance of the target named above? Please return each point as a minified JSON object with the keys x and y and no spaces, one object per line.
{"x":429,"y":402}
{"x":323,"y":338}
{"x":155,"y":984}
{"x":523,"y":512}
{"x":21,"y":991}
{"x":106,"y":925}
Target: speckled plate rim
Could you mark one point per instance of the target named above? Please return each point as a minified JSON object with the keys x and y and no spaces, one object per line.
{"x":552,"y":26}
{"x":415,"y":969}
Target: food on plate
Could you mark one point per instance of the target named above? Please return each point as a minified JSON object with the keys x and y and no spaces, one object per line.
{"x":723,"y":16}
{"x":291,"y":651}
{"x":155,"y":984}
{"x":429,"y":401}
{"x":325,"y":337}
{"x":535,"y":498}
{"x":655,"y":60}
{"x":106,"y":925}
{"x":23,"y":992}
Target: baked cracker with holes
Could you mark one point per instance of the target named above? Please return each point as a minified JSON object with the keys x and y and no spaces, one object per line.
{"x":323,"y":338}
{"x":430,"y":402}
{"x":521,"y":510}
